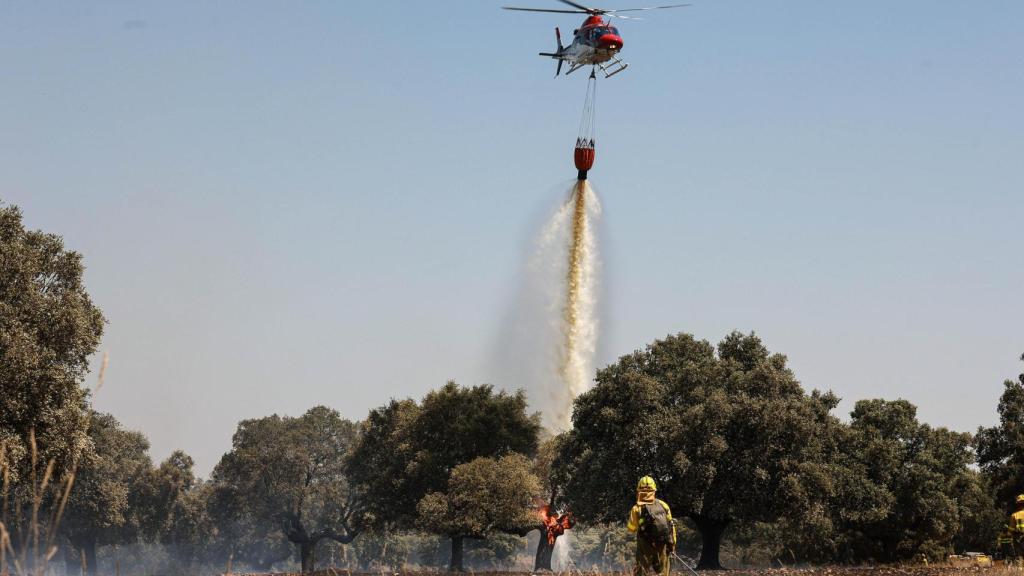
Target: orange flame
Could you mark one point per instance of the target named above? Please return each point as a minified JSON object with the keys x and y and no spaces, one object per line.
{"x":555,"y":524}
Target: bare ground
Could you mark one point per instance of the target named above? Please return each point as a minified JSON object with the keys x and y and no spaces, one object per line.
{"x":931,"y":570}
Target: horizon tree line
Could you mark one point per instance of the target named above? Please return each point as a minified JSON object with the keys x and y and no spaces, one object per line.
{"x":747,"y":457}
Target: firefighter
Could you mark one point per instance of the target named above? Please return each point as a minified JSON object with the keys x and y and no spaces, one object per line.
{"x":651,"y":520}
{"x":1017,"y":518}
{"x":1008,"y":544}
{"x":1004,"y":544}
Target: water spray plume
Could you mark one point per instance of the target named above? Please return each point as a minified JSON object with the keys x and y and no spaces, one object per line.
{"x":579,"y":323}
{"x":556,"y":322}
{"x":554,"y":327}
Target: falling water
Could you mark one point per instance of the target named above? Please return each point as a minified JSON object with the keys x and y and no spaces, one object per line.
{"x":561,"y":556}
{"x":579,"y":321}
{"x":565,"y":269}
{"x":549,"y":338}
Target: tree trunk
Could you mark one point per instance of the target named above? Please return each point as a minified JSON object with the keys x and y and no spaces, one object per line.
{"x":307,"y":549}
{"x":455,"y":565}
{"x":89,"y":547}
{"x":544,"y":550}
{"x":711,"y":541}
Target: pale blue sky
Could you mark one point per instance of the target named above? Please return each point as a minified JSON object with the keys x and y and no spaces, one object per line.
{"x":285,"y":204}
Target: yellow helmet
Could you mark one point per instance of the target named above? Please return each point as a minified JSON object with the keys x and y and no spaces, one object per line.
{"x":1020,"y":498}
{"x":646,"y":483}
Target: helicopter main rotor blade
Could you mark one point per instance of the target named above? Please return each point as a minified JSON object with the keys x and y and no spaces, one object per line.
{"x":544,"y":10}
{"x":595,"y":11}
{"x":586,"y":9}
{"x":650,"y":8}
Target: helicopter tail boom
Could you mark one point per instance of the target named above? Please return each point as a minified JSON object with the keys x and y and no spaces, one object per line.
{"x":559,"y":54}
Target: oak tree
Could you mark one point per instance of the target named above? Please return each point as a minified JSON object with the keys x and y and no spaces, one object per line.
{"x":1001,"y":447}
{"x":48,"y":329}
{"x":914,"y":487}
{"x":728,"y":434}
{"x":99,"y":509}
{"x":290,"y":473}
{"x":408,"y":450}
{"x":483,"y":497}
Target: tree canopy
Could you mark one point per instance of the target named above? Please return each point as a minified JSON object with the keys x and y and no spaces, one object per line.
{"x":906,"y":486}
{"x":408,"y":450}
{"x":735,"y":443}
{"x":484,"y":496}
{"x":48,"y":329}
{"x":729,"y":435}
{"x":290,"y":473}
{"x":99,"y":509}
{"x":1001,"y":447}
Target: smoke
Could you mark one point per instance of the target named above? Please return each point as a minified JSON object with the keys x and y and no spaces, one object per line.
{"x":554,"y":325}
{"x":561,"y":556}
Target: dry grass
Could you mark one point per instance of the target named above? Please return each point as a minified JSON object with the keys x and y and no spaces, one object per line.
{"x":931,"y":570}
{"x":26,"y":547}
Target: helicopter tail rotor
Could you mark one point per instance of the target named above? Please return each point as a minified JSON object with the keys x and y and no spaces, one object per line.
{"x":558,"y":38}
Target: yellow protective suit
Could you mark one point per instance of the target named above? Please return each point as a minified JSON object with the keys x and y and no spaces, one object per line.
{"x":1017,"y":522}
{"x":651,"y":558}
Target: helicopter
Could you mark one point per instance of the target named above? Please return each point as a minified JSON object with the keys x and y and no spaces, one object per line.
{"x":596,"y":43}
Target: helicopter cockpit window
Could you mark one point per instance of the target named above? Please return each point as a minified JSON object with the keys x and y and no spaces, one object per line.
{"x":613,"y":30}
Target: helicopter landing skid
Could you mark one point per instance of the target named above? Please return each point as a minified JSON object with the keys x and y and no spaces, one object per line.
{"x":573,"y":68}
{"x":612,"y":67}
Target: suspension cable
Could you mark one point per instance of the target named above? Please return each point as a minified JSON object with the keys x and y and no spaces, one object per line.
{"x":588,"y":121}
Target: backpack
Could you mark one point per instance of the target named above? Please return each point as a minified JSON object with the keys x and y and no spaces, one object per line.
{"x":655,"y":527}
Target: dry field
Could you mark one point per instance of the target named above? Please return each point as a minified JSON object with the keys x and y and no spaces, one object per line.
{"x":932,"y":570}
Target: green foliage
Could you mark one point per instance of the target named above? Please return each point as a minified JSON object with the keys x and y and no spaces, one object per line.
{"x":904,"y":484}
{"x":729,"y":437}
{"x":484,"y":496}
{"x":289,"y":474}
{"x":379,"y":461}
{"x":48,"y":329}
{"x":757,"y":544}
{"x":99,"y":510}
{"x":727,"y":431}
{"x":244,"y":538}
{"x":733,"y":440}
{"x":408,"y":450}
{"x":1001,"y":447}
{"x":980,"y":517}
{"x":161,"y":526}
{"x":189,"y":530}
{"x":544,"y":467}
{"x":159,"y":495}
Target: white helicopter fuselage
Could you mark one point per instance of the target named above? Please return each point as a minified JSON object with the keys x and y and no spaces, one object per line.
{"x":596,"y":43}
{"x":582,"y":54}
